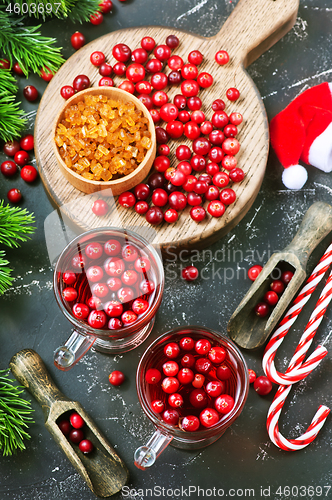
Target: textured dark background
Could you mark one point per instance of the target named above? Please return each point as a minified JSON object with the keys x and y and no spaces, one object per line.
{"x":244,"y":457}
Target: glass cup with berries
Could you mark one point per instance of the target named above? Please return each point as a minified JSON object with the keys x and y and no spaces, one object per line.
{"x":108,"y":282}
{"x":192,"y":384}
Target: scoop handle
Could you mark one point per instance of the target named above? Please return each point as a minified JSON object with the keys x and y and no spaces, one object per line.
{"x":316,"y":224}
{"x":29,"y":369}
{"x":254,"y":26}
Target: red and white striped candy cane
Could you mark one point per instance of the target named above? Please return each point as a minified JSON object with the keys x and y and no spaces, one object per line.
{"x":298,"y":371}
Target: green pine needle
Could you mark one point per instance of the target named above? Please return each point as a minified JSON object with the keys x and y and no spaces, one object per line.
{"x":15,"y":225}
{"x":12,"y":118}
{"x":75,"y":10}
{"x":14,"y":416}
{"x":6,"y":279}
{"x":83,"y":10}
{"x":27,"y":46}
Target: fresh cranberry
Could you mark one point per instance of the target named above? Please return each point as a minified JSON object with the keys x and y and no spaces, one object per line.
{"x":186,"y":376}
{"x":81,"y":82}
{"x":201,"y":187}
{"x":152,"y":376}
{"x":252,"y":376}
{"x":206,"y":127}
{"x":140,"y":306}
{"x":198,"y":398}
{"x":30,"y":93}
{"x":198,"y":163}
{"x":97,"y":58}
{"x":114,"y":284}
{"x":27,"y":142}
{"x":190,"y":183}
{"x":154,"y":66}
{"x":29,"y":173}
{"x":97,"y":319}
{"x":170,"y":385}
{"x":46,"y":74}
{"x":106,"y":81}
{"x":17,"y":69}
{"x":172,"y":350}
{"x":262,"y":309}
{"x":80,"y":311}
{"x":127,"y":199}
{"x":223,"y":372}
{"x":236,"y":174}
{"x":159,"y":98}
{"x":203,"y":365}
{"x":171,"y":417}
{"x":174,"y":129}
{"x":277,"y":286}
{"x":106,"y":6}
{"x":113,"y":308}
{"x":67,"y":91}
{"x":212,"y":168}
{"x":162,"y":52}
{"x":216,"y":154}
{"x":21,"y":158}
{"x":262,"y":385}
{"x":141,"y":207}
{"x":189,"y":88}
{"x":190,"y":273}
{"x":100,"y":290}
{"x":215,"y":388}
{"x":94,"y":303}
{"x":217,"y":355}
{"x":187,"y":343}
{"x":116,"y":378}
{"x":198,"y":381}
{"x":184,"y":116}
{"x":189,"y":72}
{"x":4,"y":64}
{"x":174,"y":78}
{"x":271,"y":298}
{"x":64,"y":426}
{"x":197,"y":213}
{"x":194,"y":199}
{"x":220,"y":179}
{"x":224,"y":404}
{"x":76,"y":421}
{"x":170,"y":368}
{"x":119,"y":68}
{"x":79,"y":261}
{"x":185,"y":168}
{"x":69,"y":294}
{"x":218,"y":105}
{"x":232,"y":94}
{"x":171,"y":216}
{"x":175,"y":63}
{"x":286,"y":277}
{"x":235,"y":118}
{"x":164,"y":150}
{"x":94,"y":274}
{"x":121,"y":52}
{"x":127,"y":86}
{"x":202,"y":346}
{"x":219,"y":119}
{"x":169,"y":112}
{"x":143,"y":87}
{"x":112,"y":247}
{"x":8,"y":168}
{"x":154,"y":216}
{"x":172,"y":41}
{"x":177,"y":200}
{"x":157,"y":406}
{"x":227,"y":196}
{"x":129,"y":253}
{"x":77,"y":40}
{"x":147,"y":286}
{"x":129,"y":277}
{"x":201,"y":146}
{"x":148,"y":43}
{"x":156,"y":181}
{"x":212,"y":193}
{"x":142,"y":265}
{"x":205,"y":80}
{"x":86,"y":446}
{"x":198,"y":117}
{"x":139,"y":56}
{"x":11,"y":148}
{"x":216,"y":137}
{"x":222,"y":57}
{"x":229,"y":162}
{"x":183,"y":152}
{"x":190,"y":423}
{"x":231,"y":146}
{"x":69,"y":278}
{"x":188,"y":361}
{"x":96,"y":18}
{"x":76,"y":436}
{"x":100,"y":208}
{"x":180,"y":101}
{"x":135,"y":72}
{"x":159,"y":81}
{"x":128,"y":318}
{"x":230,"y":130}
{"x":114,"y":266}
{"x":195,"y":57}
{"x":161,"y":135}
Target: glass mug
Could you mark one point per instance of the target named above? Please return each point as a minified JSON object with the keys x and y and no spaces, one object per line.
{"x":96,"y":263}
{"x":236,"y":386}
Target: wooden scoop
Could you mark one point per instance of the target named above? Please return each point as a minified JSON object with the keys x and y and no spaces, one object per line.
{"x":102,"y":469}
{"x":245,"y":327}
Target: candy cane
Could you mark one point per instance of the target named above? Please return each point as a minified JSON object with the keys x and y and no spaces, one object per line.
{"x":297,"y":371}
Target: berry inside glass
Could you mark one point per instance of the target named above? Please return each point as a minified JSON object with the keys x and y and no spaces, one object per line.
{"x":200,"y":398}
{"x":109,"y":284}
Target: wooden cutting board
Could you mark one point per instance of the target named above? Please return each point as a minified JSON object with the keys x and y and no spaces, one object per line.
{"x":253,"y":27}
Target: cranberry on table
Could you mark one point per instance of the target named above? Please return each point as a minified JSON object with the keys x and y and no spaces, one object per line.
{"x":212,"y":193}
{"x":232,"y":94}
{"x":139,"y":56}
{"x":216,"y":208}
{"x":21,"y":158}
{"x":76,"y":436}
{"x":190,"y":423}
{"x":212,"y":168}
{"x":277,"y":286}
{"x":177,"y":200}
{"x":254,"y":272}
{"x":10,"y":148}
{"x":154,"y":66}
{"x":119,"y":68}
{"x":189,"y":72}
{"x":77,"y":40}
{"x":86,"y":446}
{"x":100,"y":208}
{"x":198,"y":213}
{"x":216,"y":154}
{"x":190,"y":273}
{"x":216,"y":137}
{"x":224,"y":404}
{"x":14,"y":195}
{"x":81,"y":82}
{"x":231,"y":146}
{"x":271,"y":298}
{"x":262,"y":309}
{"x":127,"y":86}
{"x":227,"y":196}
{"x":97,"y":58}
{"x":154,"y":216}
{"x":219,"y":119}
{"x":205,"y":80}
{"x":127,"y":199}
{"x":161,"y":163}
{"x":159,"y":81}
{"x":198,"y":163}
{"x":159,"y":197}
{"x":172,"y":41}
{"x":76,"y":420}
{"x":252,"y":375}
{"x":230,"y":130}
{"x":8,"y":168}
{"x":183,"y":152}
{"x":194,"y":199}
{"x":189,"y":88}
{"x":190,"y":183}
{"x":4,"y":63}
{"x":175,"y":63}
{"x":116,"y":378}
{"x":148,"y":43}
{"x":206,"y":127}
{"x":67,"y":91}
{"x":156,"y":180}
{"x":164,"y":150}
{"x":201,"y":146}
{"x":46,"y":74}
{"x":143,"y":87}
{"x":162,"y":52}
{"x":262,"y":385}
{"x":222,"y":57}
{"x":286,"y":277}
{"x":64,"y":426}
{"x":121,"y":52}
{"x":235,"y":118}
{"x":106,"y":6}
{"x":185,"y":168}
{"x":155,"y":115}
{"x":180,"y":101}
{"x":96,"y":18}
{"x":106,"y":81}
{"x":29,"y":173}
{"x":159,"y":98}
{"x":236,"y":174}
{"x":218,"y":105}
{"x":152,"y":376}
{"x":27,"y":142}
{"x":135,"y":72}
{"x":195,"y":57}
{"x":229,"y":162}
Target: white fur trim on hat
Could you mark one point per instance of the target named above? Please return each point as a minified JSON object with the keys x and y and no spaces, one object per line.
{"x":294,"y":177}
{"x":320,"y":152}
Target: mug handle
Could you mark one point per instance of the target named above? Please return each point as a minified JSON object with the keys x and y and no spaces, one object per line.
{"x":145,"y":456}
{"x":67,"y":355}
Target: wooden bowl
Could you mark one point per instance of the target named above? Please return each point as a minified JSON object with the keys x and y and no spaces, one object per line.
{"x":126,"y":182}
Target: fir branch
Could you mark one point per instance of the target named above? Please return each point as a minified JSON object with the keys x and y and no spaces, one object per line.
{"x":14,"y":416}
{"x":27,"y":46}
{"x":8,"y":85}
{"x":15,"y":225}
{"x":12,"y":118}
{"x":83,"y":10}
{"x":6,"y":279}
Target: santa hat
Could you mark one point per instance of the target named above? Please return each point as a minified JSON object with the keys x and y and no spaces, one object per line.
{"x":303,"y":131}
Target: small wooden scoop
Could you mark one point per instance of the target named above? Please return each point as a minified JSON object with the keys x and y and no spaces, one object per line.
{"x":103,"y":470}
{"x":245,"y":327}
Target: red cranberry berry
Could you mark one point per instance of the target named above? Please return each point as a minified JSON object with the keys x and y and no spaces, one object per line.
{"x":190,"y":423}
{"x":235,"y":118}
{"x":8,"y":168}
{"x":271,"y":298}
{"x":195,"y":57}
{"x":121,"y":52}
{"x":106,"y":81}
{"x":106,"y":6}
{"x":135,"y":72}
{"x":21,"y":158}
{"x":67,"y":91}
{"x":217,"y":355}
{"x":100,"y":208}
{"x":17,"y":69}
{"x":115,"y":324}
{"x":170,"y":385}
{"x":209,"y":417}
{"x":152,"y":376}
{"x":175,"y":63}
{"x":206,"y":127}
{"x":177,"y":200}
{"x":171,"y":417}
{"x":277,"y":286}
{"x":76,"y":436}
{"x":30,"y":93}
{"x":232,"y":94}
{"x":175,"y":400}
{"x":197,"y":213}
{"x":4,"y":64}
{"x":96,"y":18}
{"x":69,"y":294}
{"x":64,"y":426}
{"x":157,"y":406}
{"x":171,"y":215}
{"x":69,"y":278}
{"x":198,"y":398}
{"x":223,"y":372}
{"x":180,"y":101}
{"x":139,"y":56}
{"x":236,"y":174}
{"x":190,"y":273}
{"x":76,"y":421}
{"x":164,"y":150}
{"x":187,"y":343}
{"x":262,"y":309}
{"x":97,"y":319}
{"x":216,"y":208}
{"x":227,"y":196}
{"x":188,"y":361}
{"x":286,"y":277}
{"x":186,"y":376}
{"x":172,"y":41}
{"x":116,"y":378}
{"x":127,"y":199}
{"x":203,"y":365}
{"x":154,"y":66}
{"x":222,"y":57}
{"x":162,"y":52}
{"x":46,"y":74}
{"x":81,"y":82}
{"x":29,"y":173}
{"x":262,"y":385}
{"x":172,"y":350}
{"x":224,"y":404}
{"x":27,"y":143}
{"x":14,"y":195}
{"x":252,"y":376}
{"x":86,"y":446}
{"x":229,"y":162}
{"x":212,"y":193}
{"x":254,"y":272}
{"x":202,"y":346}
{"x":148,"y":43}
{"x":216,"y":137}
{"x":205,"y":80}
{"x":218,"y":105}
{"x":189,"y":88}
{"x":231,"y":146}
{"x":198,"y":381}
{"x":97,"y":58}
{"x":215,"y":388}
{"x":154,"y":216}
{"x":11,"y":148}
{"x":161,"y":135}
{"x":80,"y":311}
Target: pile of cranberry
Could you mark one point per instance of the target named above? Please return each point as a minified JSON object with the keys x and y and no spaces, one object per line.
{"x":213,"y":147}
{"x":19,"y":151}
{"x":192,"y":387}
{"x":72,"y":428}
{"x":109,"y":286}
{"x":271,"y":297}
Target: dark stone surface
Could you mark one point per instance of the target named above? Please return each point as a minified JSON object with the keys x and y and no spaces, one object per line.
{"x":244,"y":457}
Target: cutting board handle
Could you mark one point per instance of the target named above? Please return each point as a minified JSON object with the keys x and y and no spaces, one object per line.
{"x":316,"y":224}
{"x":29,"y":369}
{"x":254,"y":26}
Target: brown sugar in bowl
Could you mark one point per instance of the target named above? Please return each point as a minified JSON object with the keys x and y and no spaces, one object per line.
{"x":126,"y":182}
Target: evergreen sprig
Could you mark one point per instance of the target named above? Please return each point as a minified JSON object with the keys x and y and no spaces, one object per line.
{"x":14,"y":416}
{"x":15,"y":225}
{"x":12,"y":118}
{"x":27,"y":46}
{"x":6,"y":279}
{"x":75,"y":10}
